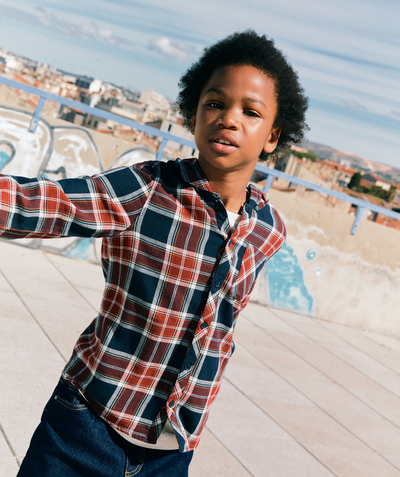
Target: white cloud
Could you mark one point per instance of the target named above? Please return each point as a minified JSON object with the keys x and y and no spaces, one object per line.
{"x":353,"y":104}
{"x":177,"y":50}
{"x":50,"y":20}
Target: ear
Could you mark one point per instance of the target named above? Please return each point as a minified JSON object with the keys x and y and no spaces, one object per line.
{"x":193,"y":122}
{"x":272,"y":141}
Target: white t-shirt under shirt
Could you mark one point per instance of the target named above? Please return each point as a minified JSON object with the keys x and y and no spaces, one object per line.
{"x":233,"y":220}
{"x":167,"y":439}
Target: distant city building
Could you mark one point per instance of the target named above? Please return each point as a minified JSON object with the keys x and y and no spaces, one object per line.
{"x":41,"y":69}
{"x":383,"y":184}
{"x":95,"y":86}
{"x":83,"y":82}
{"x":155,"y":104}
{"x":173,"y":125}
{"x":13,"y":64}
{"x":69,"y":79}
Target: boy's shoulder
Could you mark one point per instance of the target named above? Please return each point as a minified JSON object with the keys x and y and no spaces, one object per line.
{"x":175,"y":173}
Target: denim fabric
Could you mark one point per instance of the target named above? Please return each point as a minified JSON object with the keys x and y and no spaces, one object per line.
{"x":72,"y":441}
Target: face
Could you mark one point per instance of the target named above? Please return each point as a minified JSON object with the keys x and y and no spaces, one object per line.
{"x":234,"y":120}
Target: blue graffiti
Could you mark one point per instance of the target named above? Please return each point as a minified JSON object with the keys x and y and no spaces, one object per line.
{"x":4,"y":159}
{"x":311,"y":254}
{"x":286,"y":287}
{"x":81,"y":250}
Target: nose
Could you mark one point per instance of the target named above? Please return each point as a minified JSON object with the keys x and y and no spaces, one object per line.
{"x":228,"y":119}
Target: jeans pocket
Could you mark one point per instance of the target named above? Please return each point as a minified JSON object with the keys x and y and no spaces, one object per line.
{"x":69,"y":397}
{"x":73,"y":406}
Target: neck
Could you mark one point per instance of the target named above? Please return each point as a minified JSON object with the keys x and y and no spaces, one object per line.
{"x":231,"y":186}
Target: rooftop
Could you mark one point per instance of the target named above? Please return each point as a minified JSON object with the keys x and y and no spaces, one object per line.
{"x":301,"y":396}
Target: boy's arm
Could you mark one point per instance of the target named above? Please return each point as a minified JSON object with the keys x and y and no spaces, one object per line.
{"x":98,"y":206}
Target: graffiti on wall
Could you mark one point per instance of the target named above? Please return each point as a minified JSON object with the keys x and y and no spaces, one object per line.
{"x":56,"y":152}
{"x":286,"y":284}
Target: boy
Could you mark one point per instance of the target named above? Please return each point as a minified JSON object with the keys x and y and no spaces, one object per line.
{"x":183,"y":243}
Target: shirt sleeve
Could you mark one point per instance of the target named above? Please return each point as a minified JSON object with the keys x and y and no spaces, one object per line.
{"x":104,"y":205}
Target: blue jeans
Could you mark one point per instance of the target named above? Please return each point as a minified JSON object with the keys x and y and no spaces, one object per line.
{"x":72,"y":441}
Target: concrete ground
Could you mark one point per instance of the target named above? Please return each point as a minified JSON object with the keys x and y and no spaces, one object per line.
{"x":301,"y":397}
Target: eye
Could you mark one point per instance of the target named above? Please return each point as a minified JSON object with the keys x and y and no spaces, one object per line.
{"x":252,"y":113}
{"x":214,"y":105}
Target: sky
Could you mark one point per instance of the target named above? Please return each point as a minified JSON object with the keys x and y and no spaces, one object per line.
{"x":346,"y":52}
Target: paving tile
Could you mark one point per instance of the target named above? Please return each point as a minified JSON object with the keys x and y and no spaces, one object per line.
{"x":76,"y":316}
{"x":264,"y":456}
{"x":358,"y":418}
{"x":340,"y":372}
{"x":292,"y":316}
{"x":93,"y":297}
{"x":18,"y":340}
{"x":355,"y":416}
{"x":370,"y":367}
{"x":243,"y":357}
{"x":377,"y":432}
{"x":43,"y":286}
{"x":4,"y":285}
{"x":353,"y":463}
{"x":79,"y":272}
{"x":346,"y":351}
{"x":309,"y":425}
{"x":264,"y":318}
{"x":63,"y":323}
{"x":64,"y":339}
{"x":383,"y":348}
{"x":262,"y":382}
{"x":312,"y":328}
{"x":387,"y":341}
{"x":212,"y":459}
{"x":4,"y":447}
{"x":13,"y":307}
{"x":233,"y":411}
{"x":272,"y":353}
{"x":8,"y":467}
{"x":29,"y":368}
{"x":22,"y":259}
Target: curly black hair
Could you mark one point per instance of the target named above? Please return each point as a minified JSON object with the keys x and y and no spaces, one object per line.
{"x":249,"y":48}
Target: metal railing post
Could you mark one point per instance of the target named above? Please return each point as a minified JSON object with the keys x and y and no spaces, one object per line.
{"x":357,"y":220}
{"x":268,"y":183}
{"x":160,"y":152}
{"x":36,"y":115}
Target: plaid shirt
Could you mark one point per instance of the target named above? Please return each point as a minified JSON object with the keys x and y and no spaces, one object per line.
{"x":175,"y":282}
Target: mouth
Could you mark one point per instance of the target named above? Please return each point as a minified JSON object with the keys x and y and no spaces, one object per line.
{"x":224,"y":143}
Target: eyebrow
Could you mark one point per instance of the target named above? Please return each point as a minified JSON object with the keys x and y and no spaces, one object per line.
{"x":214,"y":89}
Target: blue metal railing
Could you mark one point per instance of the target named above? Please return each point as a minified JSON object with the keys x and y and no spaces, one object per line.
{"x":362,"y":205}
{"x":100,"y":113}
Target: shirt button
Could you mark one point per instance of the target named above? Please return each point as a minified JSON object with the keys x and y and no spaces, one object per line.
{"x":171,"y":404}
{"x":217,"y":284}
{"x":203,"y":325}
{"x":188,"y":366}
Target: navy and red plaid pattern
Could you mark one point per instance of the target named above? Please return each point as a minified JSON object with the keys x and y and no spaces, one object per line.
{"x":175,"y":282}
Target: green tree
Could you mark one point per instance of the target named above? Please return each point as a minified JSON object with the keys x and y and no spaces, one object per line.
{"x":308,"y":155}
{"x":391,"y":194}
{"x":355,"y":181}
{"x":377,"y":191}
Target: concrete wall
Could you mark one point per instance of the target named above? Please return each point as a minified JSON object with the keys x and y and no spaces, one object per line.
{"x":325,"y":272}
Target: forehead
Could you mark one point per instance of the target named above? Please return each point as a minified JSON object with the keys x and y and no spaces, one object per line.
{"x":240,"y":79}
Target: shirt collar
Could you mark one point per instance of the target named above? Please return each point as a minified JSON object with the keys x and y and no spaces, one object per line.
{"x":193,"y":174}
